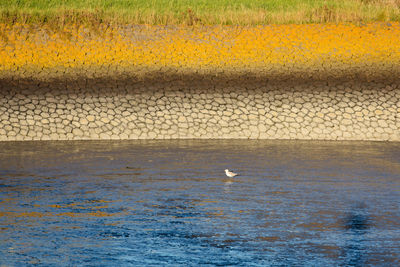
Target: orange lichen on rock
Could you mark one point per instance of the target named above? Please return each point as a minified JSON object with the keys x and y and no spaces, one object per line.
{"x":27,"y":51}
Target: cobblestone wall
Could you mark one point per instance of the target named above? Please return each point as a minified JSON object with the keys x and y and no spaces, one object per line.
{"x":199,"y":108}
{"x":334,"y":82}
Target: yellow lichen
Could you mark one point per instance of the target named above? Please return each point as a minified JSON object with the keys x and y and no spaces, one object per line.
{"x":276,"y":48}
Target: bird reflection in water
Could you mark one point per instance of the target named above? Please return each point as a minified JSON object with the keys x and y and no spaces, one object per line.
{"x":356,"y":224}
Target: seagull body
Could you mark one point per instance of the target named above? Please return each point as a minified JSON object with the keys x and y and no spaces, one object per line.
{"x":230,"y":174}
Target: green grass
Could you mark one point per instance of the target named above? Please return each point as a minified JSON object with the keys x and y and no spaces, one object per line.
{"x":238,"y":12}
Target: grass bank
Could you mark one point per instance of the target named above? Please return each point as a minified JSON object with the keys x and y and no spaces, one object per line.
{"x":204,"y":12}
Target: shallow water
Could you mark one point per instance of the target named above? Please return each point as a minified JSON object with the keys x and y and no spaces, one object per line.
{"x":170,"y":203}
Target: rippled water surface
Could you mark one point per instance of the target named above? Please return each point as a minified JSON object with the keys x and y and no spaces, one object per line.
{"x":169,"y":203}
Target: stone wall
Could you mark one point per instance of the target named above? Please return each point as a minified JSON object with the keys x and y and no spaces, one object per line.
{"x":332,"y":82}
{"x":199,"y":107}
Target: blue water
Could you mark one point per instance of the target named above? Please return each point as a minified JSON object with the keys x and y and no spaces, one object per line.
{"x":152,"y":203}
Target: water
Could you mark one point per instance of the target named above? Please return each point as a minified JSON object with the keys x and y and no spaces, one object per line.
{"x":151,"y":203}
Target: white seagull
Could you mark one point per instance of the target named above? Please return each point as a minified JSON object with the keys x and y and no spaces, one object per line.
{"x":230,"y":174}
